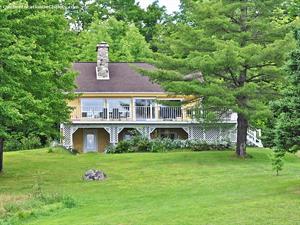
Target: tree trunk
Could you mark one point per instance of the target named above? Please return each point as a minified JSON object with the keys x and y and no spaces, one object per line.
{"x":241,"y":142}
{"x":1,"y":153}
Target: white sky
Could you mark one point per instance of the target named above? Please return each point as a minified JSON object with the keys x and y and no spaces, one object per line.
{"x":172,"y":5}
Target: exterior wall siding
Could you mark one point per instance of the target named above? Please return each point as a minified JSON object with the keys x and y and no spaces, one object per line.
{"x":78,"y":140}
{"x":102,"y":139}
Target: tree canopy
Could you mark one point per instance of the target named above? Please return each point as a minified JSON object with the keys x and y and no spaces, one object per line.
{"x":287,"y":109}
{"x":35,"y":55}
{"x":124,"y":39}
{"x":82,"y":14}
{"x":240,"y":48}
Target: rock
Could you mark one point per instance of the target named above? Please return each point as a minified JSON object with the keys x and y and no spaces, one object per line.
{"x":94,"y":175}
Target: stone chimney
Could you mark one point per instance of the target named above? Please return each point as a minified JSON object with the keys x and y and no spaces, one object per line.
{"x":102,"y":61}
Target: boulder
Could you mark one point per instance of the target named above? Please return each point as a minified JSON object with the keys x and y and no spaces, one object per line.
{"x":93,"y":174}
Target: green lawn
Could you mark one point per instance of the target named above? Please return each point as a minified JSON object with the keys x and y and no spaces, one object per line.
{"x":160,"y":188}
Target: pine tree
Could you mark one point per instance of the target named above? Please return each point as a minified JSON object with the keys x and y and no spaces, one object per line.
{"x":277,"y":160}
{"x":240,"y":48}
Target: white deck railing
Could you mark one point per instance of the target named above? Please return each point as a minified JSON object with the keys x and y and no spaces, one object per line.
{"x":100,"y":113}
{"x":140,"y":113}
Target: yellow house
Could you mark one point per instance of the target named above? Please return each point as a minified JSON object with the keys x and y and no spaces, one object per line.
{"x":114,"y":99}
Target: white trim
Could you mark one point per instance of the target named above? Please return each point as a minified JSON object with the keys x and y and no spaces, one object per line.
{"x":142,"y":122}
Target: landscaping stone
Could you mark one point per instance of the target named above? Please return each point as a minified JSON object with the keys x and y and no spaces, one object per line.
{"x":93,"y":174}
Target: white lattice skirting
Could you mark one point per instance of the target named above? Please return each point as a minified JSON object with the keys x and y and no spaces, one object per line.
{"x":216,"y":133}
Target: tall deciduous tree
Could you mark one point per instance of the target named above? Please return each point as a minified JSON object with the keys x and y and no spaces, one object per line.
{"x":82,"y":13}
{"x":239,"y":46}
{"x":34,"y":75}
{"x":287,"y":109}
{"x":125,"y":41}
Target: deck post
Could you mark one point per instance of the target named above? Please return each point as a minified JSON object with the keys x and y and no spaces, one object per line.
{"x":156,"y":111}
{"x":133,"y":110}
{"x":107,"y":109}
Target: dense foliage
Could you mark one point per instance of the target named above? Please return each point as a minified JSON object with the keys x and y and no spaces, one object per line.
{"x":287,"y":109}
{"x":82,"y":14}
{"x":125,"y":41}
{"x":239,"y":47}
{"x":35,"y":55}
{"x":139,"y":143}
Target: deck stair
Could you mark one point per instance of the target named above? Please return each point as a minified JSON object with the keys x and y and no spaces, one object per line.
{"x":253,"y":137}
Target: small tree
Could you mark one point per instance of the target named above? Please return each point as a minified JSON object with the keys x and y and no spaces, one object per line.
{"x":277,"y":160}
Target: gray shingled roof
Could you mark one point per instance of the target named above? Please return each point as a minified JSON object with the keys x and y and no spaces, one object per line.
{"x":123,"y":78}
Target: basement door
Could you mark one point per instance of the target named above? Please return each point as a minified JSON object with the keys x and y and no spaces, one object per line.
{"x":90,"y":141}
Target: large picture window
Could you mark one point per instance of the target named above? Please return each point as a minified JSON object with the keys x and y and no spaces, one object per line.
{"x":92,"y":108}
{"x":119,"y":108}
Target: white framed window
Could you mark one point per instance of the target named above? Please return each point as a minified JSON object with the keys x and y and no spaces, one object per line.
{"x":92,"y":107}
{"x":119,"y":108}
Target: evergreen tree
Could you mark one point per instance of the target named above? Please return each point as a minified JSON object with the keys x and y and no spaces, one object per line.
{"x":277,"y":160}
{"x":239,"y":46}
{"x":35,"y":56}
{"x":287,"y":109}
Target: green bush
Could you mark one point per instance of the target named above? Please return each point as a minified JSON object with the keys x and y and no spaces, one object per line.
{"x":15,"y":143}
{"x":123,"y":146}
{"x":142,"y":144}
{"x":110,"y":149}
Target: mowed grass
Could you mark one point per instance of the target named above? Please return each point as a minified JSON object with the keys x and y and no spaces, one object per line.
{"x":160,"y":188}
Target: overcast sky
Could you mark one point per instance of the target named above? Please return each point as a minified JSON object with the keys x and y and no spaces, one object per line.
{"x":172,"y":5}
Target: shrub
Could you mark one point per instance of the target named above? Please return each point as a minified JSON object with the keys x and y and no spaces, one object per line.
{"x":16,"y":142}
{"x":206,"y":146}
{"x":142,"y":144}
{"x":110,"y":149}
{"x":123,"y":146}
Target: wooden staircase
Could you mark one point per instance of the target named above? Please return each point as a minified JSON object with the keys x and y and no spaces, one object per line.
{"x":253,"y":137}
